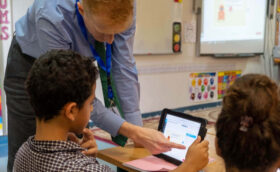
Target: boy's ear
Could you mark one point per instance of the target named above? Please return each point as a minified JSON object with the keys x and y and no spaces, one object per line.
{"x":71,"y":110}
{"x":81,"y":8}
{"x":218,"y":150}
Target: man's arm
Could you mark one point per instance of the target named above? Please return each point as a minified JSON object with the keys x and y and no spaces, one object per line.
{"x":152,"y":140}
{"x":105,"y":118}
{"x":50,"y":37}
{"x":125,"y":74}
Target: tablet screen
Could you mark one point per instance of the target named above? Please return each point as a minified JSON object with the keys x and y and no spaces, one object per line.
{"x":182,"y":131}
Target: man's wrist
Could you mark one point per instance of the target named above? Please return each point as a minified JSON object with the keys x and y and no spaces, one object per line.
{"x":129,"y":130}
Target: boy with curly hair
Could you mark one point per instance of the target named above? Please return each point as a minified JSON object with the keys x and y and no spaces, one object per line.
{"x":61,"y":86}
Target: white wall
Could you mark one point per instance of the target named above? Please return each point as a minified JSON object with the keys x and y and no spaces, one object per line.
{"x":19,"y":8}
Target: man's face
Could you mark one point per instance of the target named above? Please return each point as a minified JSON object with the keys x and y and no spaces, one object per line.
{"x":101,"y":28}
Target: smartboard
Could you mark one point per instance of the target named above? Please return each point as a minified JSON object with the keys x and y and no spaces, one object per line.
{"x":233,"y":26}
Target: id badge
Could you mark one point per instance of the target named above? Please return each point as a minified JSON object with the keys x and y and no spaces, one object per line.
{"x":115,"y":110}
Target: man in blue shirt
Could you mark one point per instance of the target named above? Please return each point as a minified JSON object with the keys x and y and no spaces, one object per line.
{"x":53,"y":24}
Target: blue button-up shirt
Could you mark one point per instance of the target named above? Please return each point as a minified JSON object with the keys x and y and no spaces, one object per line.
{"x":52,"y":24}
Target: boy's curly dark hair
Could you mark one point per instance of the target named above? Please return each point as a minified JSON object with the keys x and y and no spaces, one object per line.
{"x":57,"y":78}
{"x":256,"y":97}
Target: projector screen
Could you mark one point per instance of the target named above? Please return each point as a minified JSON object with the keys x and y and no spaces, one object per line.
{"x":232,"y":26}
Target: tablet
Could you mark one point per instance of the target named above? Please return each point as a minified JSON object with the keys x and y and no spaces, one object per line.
{"x":180,"y":128}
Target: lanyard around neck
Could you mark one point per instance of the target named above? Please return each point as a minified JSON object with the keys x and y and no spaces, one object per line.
{"x":107,"y":67}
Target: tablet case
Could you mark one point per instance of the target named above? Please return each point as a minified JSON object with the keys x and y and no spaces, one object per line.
{"x":202,"y":132}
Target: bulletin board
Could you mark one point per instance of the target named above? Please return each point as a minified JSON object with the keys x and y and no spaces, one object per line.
{"x":226,"y":79}
{"x":154,"y":22}
{"x":210,"y":86}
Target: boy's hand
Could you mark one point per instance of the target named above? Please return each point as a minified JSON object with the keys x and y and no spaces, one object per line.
{"x":87,"y":142}
{"x":197,"y":155}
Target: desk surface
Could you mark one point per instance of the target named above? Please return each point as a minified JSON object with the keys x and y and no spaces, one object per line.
{"x":119,"y":155}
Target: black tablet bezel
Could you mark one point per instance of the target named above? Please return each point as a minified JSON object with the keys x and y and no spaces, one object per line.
{"x":202,"y":130}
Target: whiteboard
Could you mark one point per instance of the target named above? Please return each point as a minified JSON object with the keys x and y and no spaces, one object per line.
{"x":233,"y":27}
{"x":154,"y":26}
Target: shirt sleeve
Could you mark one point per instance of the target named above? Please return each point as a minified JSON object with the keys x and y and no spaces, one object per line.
{"x":99,"y":168}
{"x":88,"y":164}
{"x":125,"y":74}
{"x":105,"y":118}
{"x":51,"y":36}
{"x":94,"y":165}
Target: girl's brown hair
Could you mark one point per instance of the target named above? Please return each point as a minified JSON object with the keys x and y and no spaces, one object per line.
{"x":248,"y":127}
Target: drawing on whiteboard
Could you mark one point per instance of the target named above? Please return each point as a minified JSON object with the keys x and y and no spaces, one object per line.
{"x":230,"y":13}
{"x":221,"y":14}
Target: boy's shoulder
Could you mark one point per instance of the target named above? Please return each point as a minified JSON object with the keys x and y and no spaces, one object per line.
{"x":21,"y":155}
{"x":54,"y":156}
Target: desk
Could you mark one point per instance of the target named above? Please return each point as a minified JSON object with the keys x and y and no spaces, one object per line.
{"x":119,"y":155}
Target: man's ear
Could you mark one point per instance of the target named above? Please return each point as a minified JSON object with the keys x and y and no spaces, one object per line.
{"x":218,"y":150}
{"x":81,"y":8}
{"x":71,"y":110}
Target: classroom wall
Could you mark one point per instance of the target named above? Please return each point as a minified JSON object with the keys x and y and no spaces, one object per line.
{"x":170,"y":89}
{"x":19,"y":8}
{"x":164,"y":78}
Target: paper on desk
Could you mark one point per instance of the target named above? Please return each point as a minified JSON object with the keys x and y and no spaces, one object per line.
{"x":150,"y":163}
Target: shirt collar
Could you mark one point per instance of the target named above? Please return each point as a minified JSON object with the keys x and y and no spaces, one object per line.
{"x":53,"y":146}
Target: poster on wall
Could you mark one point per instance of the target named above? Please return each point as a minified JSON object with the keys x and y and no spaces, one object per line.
{"x":6,"y":35}
{"x":202,"y":86}
{"x":225,"y":79}
{"x":1,"y":116}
